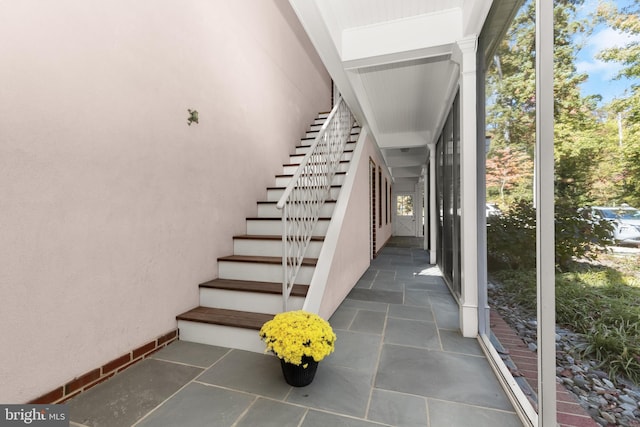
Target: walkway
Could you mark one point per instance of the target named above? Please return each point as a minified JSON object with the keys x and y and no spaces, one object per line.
{"x":399,"y":361}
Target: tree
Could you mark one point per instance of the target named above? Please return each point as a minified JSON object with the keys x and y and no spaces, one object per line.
{"x":627,"y":108}
{"x":607,"y":183}
{"x":507,"y":169}
{"x":511,"y":113}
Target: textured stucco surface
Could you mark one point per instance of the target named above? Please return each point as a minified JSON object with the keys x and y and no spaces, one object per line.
{"x":112,"y":209}
{"x":351,"y":258}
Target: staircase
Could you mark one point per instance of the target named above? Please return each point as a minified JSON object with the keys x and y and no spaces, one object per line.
{"x":248,"y":290}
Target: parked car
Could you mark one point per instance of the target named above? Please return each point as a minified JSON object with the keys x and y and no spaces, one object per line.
{"x":625,"y":220}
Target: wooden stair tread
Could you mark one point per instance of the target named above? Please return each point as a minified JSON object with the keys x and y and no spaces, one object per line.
{"x":354,"y":131}
{"x":354,"y":128}
{"x":283,"y":188}
{"x":220,"y":316}
{"x":271,"y":237}
{"x":290,"y":174}
{"x":273,"y":202}
{"x":298,"y":164}
{"x":265,"y":259}
{"x":307,"y":143}
{"x":259,"y":218}
{"x":251,"y":286}
{"x":302,"y":155}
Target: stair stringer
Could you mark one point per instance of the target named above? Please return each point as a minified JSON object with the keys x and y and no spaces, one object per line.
{"x":329,"y":258}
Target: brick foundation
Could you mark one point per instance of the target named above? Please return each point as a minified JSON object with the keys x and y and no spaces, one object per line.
{"x":106,"y":371}
{"x":525,"y":368}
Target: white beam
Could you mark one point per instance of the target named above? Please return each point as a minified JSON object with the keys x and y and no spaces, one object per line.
{"x":402,"y":35}
{"x":474,"y":14}
{"x":404,"y":139}
{"x":410,"y":172}
{"x":452,"y":89}
{"x":430,"y":54}
{"x":406,"y":161}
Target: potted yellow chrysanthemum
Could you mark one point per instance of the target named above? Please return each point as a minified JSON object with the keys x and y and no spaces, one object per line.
{"x":300,"y":340}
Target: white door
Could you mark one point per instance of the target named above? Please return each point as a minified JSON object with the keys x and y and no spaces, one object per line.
{"x":405,"y":215}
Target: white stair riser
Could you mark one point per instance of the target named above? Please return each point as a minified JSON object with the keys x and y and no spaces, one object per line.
{"x":259,"y":247}
{"x":318,"y":123}
{"x":342,"y":167}
{"x":273,"y":195}
{"x":270,"y":210}
{"x":304,"y":149}
{"x":270,"y":228}
{"x":297,"y":158}
{"x":260,"y":272}
{"x":221,"y":336}
{"x":312,"y":133}
{"x":283,"y":181}
{"x":247,"y":301}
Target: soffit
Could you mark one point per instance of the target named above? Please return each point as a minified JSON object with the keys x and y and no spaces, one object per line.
{"x":395,"y":63}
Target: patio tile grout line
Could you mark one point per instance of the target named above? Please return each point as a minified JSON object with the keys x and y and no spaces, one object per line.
{"x":377,"y":364}
{"x":246,"y":411}
{"x":155,"y":408}
{"x":194,"y":380}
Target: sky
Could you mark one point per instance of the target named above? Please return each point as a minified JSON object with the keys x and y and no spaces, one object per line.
{"x":601,"y":74}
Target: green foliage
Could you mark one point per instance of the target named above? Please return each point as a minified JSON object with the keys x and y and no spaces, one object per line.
{"x":626,"y":109}
{"x":511,"y":110}
{"x":603,"y":305}
{"x":617,"y":349}
{"x":627,"y":21}
{"x":511,"y":80}
{"x":577,"y":153}
{"x":509,"y":171}
{"x":630,"y":170}
{"x":608,"y":176}
{"x":600,"y":303}
{"x":520,"y":285}
{"x":578,"y":235}
{"x":511,"y":237}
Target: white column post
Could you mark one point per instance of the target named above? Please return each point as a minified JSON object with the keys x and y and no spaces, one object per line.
{"x":417,"y":188}
{"x":468,"y":191}
{"x":427,"y":212}
{"x":545,"y":239}
{"x":433,"y":208}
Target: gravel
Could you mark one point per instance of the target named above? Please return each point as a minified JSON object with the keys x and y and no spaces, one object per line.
{"x":610,"y":403}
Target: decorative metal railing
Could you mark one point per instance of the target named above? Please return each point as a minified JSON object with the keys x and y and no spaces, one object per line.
{"x":307,"y":191}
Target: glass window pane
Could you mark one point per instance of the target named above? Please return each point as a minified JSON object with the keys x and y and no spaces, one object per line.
{"x":404,"y":205}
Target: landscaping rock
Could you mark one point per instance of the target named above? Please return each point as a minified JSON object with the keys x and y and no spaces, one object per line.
{"x":608,"y":404}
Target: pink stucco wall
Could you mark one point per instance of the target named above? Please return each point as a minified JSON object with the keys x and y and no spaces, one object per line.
{"x":112,"y":209}
{"x":351,"y":257}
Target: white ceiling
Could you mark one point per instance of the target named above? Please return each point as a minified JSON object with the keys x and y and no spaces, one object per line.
{"x":394,"y":61}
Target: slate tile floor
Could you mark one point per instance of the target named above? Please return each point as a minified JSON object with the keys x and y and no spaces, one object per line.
{"x":399,"y":361}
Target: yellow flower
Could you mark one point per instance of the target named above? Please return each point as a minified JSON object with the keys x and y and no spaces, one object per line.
{"x":294,"y":334}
